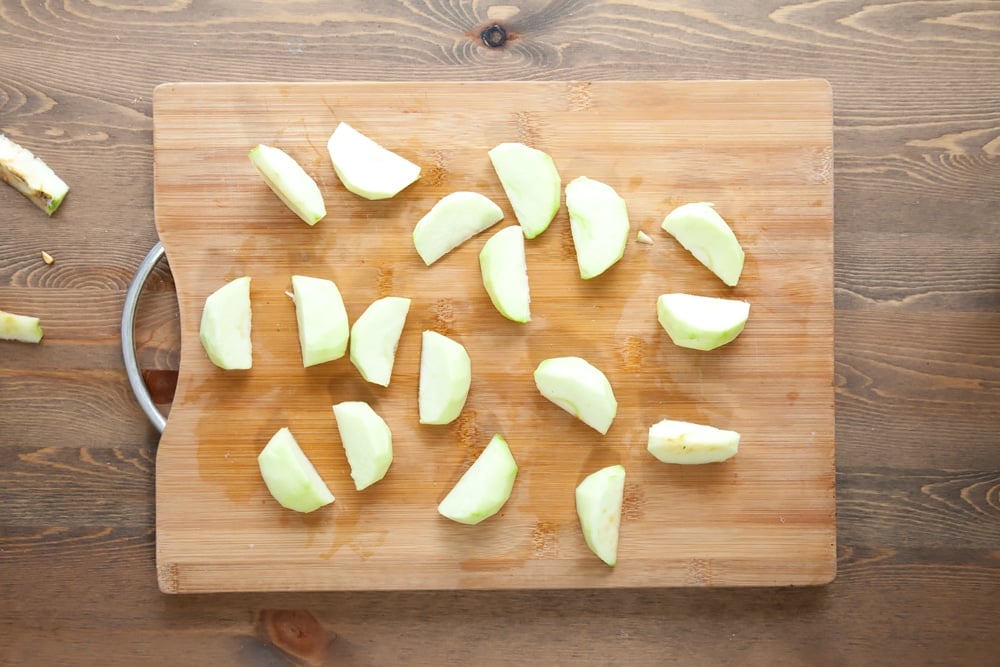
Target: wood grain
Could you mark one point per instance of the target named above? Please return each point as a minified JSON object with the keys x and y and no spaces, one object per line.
{"x":916,"y":160}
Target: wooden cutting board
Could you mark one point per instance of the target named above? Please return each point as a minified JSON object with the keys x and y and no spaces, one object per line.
{"x":761,"y":151}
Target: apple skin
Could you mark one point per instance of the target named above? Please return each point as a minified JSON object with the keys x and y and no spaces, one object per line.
{"x":225,"y":326}
{"x":505,"y":274}
{"x":701,"y":322}
{"x":531,"y":183}
{"x":599,"y":500}
{"x":598,"y":220}
{"x":290,"y":476}
{"x":21,"y":328}
{"x":452,"y":221}
{"x":375,"y":338}
{"x":366,"y":168}
{"x":367,"y":442}
{"x":484,"y":488}
{"x":30,"y":176}
{"x":579,"y":388}
{"x":691,"y":444}
{"x":445,"y":379}
{"x":706,"y":235}
{"x":290,"y":182}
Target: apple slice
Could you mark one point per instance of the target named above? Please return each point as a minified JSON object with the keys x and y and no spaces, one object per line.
{"x":703,"y":232}
{"x":225,"y":326}
{"x":375,"y":337}
{"x":367,"y":442}
{"x":290,"y":476}
{"x":485,"y":487}
{"x":531,"y":182}
{"x":22,"y":328}
{"x":452,"y":221}
{"x":598,"y":220}
{"x":322,"y":319}
{"x":290,"y":182}
{"x":701,"y":322}
{"x":599,"y":506}
{"x":505,"y":274}
{"x":366,"y":168}
{"x":580,"y":389}
{"x":30,"y":176}
{"x":445,"y":378}
{"x":643,"y":237}
{"x":683,"y":442}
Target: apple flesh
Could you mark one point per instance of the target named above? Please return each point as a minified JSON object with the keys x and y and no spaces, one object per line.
{"x":485,"y":487}
{"x":22,"y":328}
{"x":30,"y":176}
{"x":505,"y":274}
{"x":367,"y":442}
{"x":703,"y":232}
{"x":701,"y":322}
{"x":290,"y":182}
{"x":290,"y":476}
{"x":580,"y":389}
{"x":531,"y":182}
{"x":452,"y":221}
{"x":366,"y":168}
{"x":599,"y":506}
{"x":686,"y":443}
{"x":225,"y":326}
{"x":375,"y":337}
{"x":321,"y":318}
{"x":643,"y":237}
{"x":598,"y":220}
{"x":445,"y":378}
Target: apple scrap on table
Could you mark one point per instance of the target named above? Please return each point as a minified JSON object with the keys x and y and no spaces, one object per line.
{"x":600,"y":227}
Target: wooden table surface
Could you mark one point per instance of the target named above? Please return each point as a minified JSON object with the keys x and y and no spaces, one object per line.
{"x":917,"y":277}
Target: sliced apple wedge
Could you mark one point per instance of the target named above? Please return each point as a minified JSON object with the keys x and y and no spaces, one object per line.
{"x":290,"y":182}
{"x":366,"y":168}
{"x":22,"y":328}
{"x":702,"y":231}
{"x":375,"y":337}
{"x":452,"y":221}
{"x":531,"y":182}
{"x":225,"y":326}
{"x":505,"y":274}
{"x":701,"y":322}
{"x":367,"y":442}
{"x":290,"y":476}
{"x":599,"y":505}
{"x":598,"y":220}
{"x":580,"y":389}
{"x":686,"y":443}
{"x":445,"y":378}
{"x":321,"y":318}
{"x":485,"y":487}
{"x":30,"y":176}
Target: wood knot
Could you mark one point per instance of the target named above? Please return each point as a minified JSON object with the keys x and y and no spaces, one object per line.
{"x":494,"y":36}
{"x":296,"y":632}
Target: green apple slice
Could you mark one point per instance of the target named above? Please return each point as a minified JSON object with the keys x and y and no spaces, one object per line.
{"x":701,"y":322}
{"x":580,"y":389}
{"x":452,"y":221}
{"x":366,"y":168}
{"x":485,"y":487}
{"x":375,"y":337}
{"x":290,"y":476}
{"x":30,"y":176}
{"x":225,"y":326}
{"x":599,"y":506}
{"x":505,"y":274}
{"x":686,"y":443}
{"x":290,"y":182}
{"x":598,"y":220}
{"x":445,"y":378}
{"x":22,"y":328}
{"x":531,"y":182}
{"x":322,"y":319}
{"x":703,"y":232}
{"x":367,"y":442}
